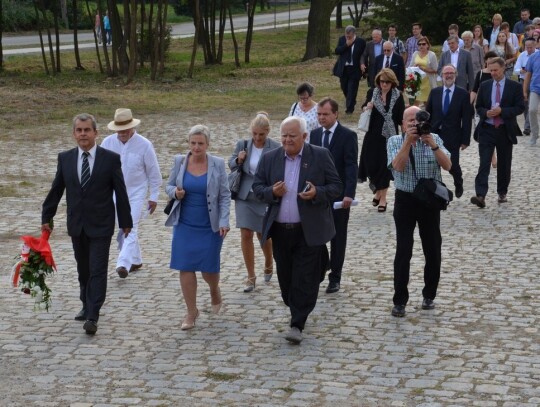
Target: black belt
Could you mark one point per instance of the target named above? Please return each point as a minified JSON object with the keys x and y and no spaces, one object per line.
{"x":491,"y":126}
{"x":288,"y":226}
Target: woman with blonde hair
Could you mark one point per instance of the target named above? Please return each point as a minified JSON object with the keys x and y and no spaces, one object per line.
{"x":478,"y":38}
{"x":200,"y":219}
{"x":249,"y":210}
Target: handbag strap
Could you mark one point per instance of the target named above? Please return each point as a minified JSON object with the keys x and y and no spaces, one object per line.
{"x":411,"y":159}
{"x":242,"y":164}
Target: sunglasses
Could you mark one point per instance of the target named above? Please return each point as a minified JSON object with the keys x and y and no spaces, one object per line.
{"x":383,"y":81}
{"x":421,"y":44}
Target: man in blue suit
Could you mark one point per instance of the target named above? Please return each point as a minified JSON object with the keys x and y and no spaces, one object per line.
{"x":343,"y":144}
{"x":90,"y":175}
{"x":451,"y":118}
{"x":347,"y":68}
{"x":299,"y":182}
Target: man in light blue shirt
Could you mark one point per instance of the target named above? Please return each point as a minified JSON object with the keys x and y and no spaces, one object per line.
{"x":531,"y":93}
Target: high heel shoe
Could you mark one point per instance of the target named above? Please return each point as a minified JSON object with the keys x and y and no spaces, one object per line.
{"x":381,"y":208}
{"x":375,"y":201}
{"x":186,"y":325}
{"x":249,"y":284}
{"x":268,"y":272}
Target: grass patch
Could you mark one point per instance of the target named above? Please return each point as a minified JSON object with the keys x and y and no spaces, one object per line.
{"x":9,"y":191}
{"x":222,"y":377}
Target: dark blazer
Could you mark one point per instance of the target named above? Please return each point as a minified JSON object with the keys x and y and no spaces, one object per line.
{"x":465,"y":71}
{"x":344,"y":53}
{"x":396,"y":64}
{"x":344,"y":149}
{"x":91,"y":210}
{"x":316,"y":215}
{"x":512,"y":105}
{"x":368,"y":59}
{"x":247,"y":178}
{"x":455,"y":127}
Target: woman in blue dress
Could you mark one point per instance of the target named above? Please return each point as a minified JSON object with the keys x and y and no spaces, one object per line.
{"x":200,"y":219}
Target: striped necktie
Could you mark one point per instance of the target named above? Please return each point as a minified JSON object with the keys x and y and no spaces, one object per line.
{"x":85,"y":170}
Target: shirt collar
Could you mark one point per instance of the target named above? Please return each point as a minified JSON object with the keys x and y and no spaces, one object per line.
{"x":451,"y":88}
{"x":333,"y":128}
{"x":91,"y":152}
{"x":297,"y":155}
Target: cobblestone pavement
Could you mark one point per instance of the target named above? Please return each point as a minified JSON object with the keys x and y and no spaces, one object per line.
{"x":479,"y":347}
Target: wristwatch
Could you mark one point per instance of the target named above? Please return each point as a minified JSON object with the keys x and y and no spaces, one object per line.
{"x":435,"y":149}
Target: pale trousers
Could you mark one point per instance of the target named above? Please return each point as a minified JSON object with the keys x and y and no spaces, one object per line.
{"x":534,"y":101}
{"x":130,"y":251}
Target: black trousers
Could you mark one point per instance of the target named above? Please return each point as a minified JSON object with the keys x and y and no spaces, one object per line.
{"x":455,"y":171}
{"x":408,"y":211}
{"x":489,"y":139}
{"x":349,"y":82}
{"x":298,"y":270}
{"x":92,"y":256}
{"x":338,"y":244}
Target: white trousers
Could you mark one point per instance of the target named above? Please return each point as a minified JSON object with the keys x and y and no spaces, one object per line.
{"x":534,"y":101}
{"x":130,"y":251}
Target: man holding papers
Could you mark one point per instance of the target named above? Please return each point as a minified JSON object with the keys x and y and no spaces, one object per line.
{"x":343,"y":145}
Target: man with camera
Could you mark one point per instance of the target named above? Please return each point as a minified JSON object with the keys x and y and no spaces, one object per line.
{"x":429,"y":155}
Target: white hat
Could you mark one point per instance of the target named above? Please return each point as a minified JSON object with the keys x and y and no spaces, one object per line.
{"x":123,"y":120}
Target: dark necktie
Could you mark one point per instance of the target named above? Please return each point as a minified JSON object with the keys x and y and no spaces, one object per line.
{"x":387,"y":62}
{"x":85,"y":170}
{"x":497,"y":121}
{"x":326,"y":141}
{"x":446,"y":103}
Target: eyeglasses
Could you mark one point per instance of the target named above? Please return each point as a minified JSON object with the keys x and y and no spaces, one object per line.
{"x":383,"y":81}
{"x":304,"y":99}
{"x":421,"y":44}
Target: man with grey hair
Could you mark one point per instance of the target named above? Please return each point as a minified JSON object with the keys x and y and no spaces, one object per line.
{"x":142,"y":177}
{"x":461,"y":60}
{"x":299,"y":182}
{"x":347,"y":68}
{"x":374,"y":48}
{"x":90,"y":175}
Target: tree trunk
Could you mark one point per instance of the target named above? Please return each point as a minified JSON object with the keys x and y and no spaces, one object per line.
{"x":143,"y":19}
{"x":43,"y":54}
{"x":76,"y":38}
{"x":103,"y":39}
{"x":221,"y":35}
{"x":318,"y":36}
{"x":1,"y":31}
{"x":162,"y":39}
{"x":155,"y":47}
{"x":249,"y":32}
{"x":57,"y":35}
{"x":64,"y":13}
{"x":197,"y":20}
{"x":236,"y":56}
{"x":95,"y":36}
{"x":132,"y":42}
{"x":339,"y":15}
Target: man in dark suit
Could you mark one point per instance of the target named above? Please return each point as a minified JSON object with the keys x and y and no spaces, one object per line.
{"x":343,"y":144}
{"x":347,"y":68}
{"x":462,"y":60}
{"x":374,"y":48}
{"x":90,"y":175}
{"x":499,"y":102}
{"x":451,"y":118}
{"x":299,"y":182}
{"x":389,"y":59}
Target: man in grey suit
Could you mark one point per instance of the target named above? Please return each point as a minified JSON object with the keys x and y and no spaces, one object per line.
{"x":90,"y":175}
{"x":462,"y":61}
{"x":374,"y":48}
{"x":299,"y":182}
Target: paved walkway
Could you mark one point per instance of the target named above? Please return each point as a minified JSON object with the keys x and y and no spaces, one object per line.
{"x":479,"y":347}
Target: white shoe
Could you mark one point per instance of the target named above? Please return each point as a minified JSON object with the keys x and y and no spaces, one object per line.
{"x":532,"y":142}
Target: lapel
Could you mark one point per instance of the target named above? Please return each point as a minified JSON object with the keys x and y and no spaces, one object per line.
{"x":505,"y":94}
{"x":98,"y":161}
{"x":245,"y":166}
{"x":71,"y":165}
{"x":334,"y":137}
{"x":305,"y":164}
{"x":316,"y":137}
{"x":211,"y":168}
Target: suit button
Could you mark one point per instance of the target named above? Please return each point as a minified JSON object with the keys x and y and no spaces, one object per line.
{"x":209,"y":210}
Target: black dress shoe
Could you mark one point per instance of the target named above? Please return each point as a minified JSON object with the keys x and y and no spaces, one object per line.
{"x":459,"y":191}
{"x":478,"y":201}
{"x":122,"y":272}
{"x":333,"y":287}
{"x":81,"y":316}
{"x":428,"y":303}
{"x":90,"y":326}
{"x":398,"y":311}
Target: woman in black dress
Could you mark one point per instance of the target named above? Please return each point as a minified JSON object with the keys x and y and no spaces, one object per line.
{"x":387,"y":106}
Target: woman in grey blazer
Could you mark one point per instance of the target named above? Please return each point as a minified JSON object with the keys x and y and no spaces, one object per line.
{"x":249,"y":210}
{"x":200,"y":219}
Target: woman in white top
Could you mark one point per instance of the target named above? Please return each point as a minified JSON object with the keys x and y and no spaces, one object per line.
{"x":306,"y":107}
{"x":479,"y":38}
{"x":249,"y":210}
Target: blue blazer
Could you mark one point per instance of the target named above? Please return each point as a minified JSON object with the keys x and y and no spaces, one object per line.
{"x":344,"y":53}
{"x":396,"y":64}
{"x":247,"y":177}
{"x":315,"y":215}
{"x":217,"y":190}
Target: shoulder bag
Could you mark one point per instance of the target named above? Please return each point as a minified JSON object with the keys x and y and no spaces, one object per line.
{"x":235,"y":178}
{"x":168,"y":208}
{"x":363,"y":122}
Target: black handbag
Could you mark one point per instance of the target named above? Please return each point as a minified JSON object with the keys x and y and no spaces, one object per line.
{"x":431,"y":192}
{"x":235,"y":178}
{"x":169,"y":206}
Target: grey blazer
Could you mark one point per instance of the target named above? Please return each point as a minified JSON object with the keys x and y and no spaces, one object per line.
{"x":247,"y":177}
{"x":465,"y":71}
{"x":217,"y":190}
